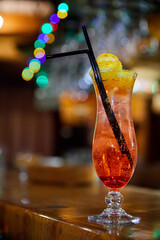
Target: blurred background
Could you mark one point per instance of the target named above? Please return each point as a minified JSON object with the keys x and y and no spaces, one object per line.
{"x":56,"y":120}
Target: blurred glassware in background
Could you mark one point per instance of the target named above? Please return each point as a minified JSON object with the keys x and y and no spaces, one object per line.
{"x":22,"y":161}
{"x":119,"y":27}
{"x":148,"y":78}
{"x":76,"y":108}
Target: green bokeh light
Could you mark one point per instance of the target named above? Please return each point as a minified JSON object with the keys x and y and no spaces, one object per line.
{"x":63,"y":6}
{"x":42,"y":80}
{"x":47,"y":28}
{"x":35,"y":65}
{"x":156,"y":233}
{"x":79,"y":37}
{"x":39,"y":44}
{"x":155,"y":87}
{"x":42,"y":72}
{"x":27,"y":74}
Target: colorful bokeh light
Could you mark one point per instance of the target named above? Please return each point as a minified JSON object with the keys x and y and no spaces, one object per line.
{"x":28,"y":61}
{"x":47,"y":28}
{"x":41,"y":57}
{"x":35,"y":65}
{"x":42,"y":80}
{"x":43,"y":37}
{"x":27,"y":74}
{"x":39,"y":54}
{"x":51,"y":38}
{"x":62,"y":14}
{"x":54,"y":26}
{"x":54,"y":18}
{"x":39,"y":44}
{"x":63,"y":6}
{"x":42,"y":72}
{"x":39,"y":50}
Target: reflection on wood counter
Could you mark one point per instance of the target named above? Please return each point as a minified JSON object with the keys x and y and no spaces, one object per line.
{"x":34,"y":211}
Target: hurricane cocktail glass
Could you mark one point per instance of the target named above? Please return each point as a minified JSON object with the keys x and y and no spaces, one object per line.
{"x":113,"y":166}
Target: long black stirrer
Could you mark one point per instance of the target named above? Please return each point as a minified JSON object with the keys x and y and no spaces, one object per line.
{"x":106,"y":104}
{"x":57,"y":55}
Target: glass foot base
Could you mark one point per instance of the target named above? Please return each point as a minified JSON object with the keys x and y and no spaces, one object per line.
{"x":120,"y":219}
{"x":114,"y":214}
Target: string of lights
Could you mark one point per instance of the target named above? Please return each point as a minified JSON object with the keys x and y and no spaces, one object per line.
{"x":46,"y":37}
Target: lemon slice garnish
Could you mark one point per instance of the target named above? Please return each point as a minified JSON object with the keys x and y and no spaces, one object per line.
{"x":112,"y":73}
{"x":124,"y":79}
{"x":108,"y":65}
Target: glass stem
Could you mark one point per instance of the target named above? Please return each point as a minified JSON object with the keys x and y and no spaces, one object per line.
{"x":114,"y":200}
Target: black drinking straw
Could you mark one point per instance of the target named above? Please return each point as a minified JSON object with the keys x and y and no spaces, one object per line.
{"x":105,"y":101}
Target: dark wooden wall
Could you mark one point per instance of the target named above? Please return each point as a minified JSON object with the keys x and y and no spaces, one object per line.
{"x":22,"y":127}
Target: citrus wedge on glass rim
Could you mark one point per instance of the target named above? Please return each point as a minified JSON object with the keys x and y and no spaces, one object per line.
{"x":108,"y":65}
{"x":124,"y":79}
{"x":112,"y":73}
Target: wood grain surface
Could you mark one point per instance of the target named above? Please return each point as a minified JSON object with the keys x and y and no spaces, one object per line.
{"x":50,"y":212}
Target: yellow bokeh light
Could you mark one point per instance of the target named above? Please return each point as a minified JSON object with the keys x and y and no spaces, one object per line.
{"x":35,"y":65}
{"x":27,"y":74}
{"x":38,"y":50}
{"x":62,"y":15}
{"x":51,"y":38}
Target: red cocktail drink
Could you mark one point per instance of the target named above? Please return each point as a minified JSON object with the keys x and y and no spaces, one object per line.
{"x":113,"y":167}
{"x":113,"y":163}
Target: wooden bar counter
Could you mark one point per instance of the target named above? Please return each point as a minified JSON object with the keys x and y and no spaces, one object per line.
{"x":48,"y":212}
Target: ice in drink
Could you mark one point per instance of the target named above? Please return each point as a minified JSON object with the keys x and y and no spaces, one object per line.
{"x":113,"y":168}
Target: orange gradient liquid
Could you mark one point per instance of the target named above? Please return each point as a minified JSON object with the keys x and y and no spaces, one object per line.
{"x":113,"y":167}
